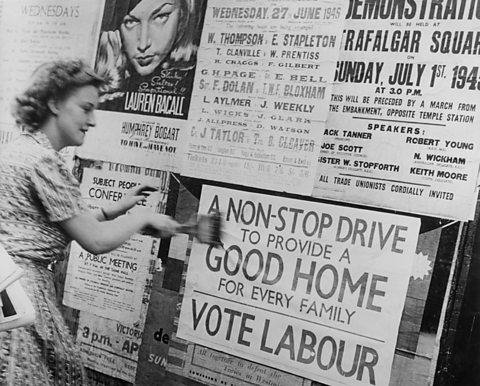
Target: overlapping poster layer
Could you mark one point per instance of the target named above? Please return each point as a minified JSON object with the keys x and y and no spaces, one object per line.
{"x":261,"y":93}
{"x":109,"y":346}
{"x":402,"y":128}
{"x":312,"y":289}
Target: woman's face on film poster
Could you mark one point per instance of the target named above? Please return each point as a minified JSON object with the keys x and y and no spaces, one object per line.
{"x":149,"y":33}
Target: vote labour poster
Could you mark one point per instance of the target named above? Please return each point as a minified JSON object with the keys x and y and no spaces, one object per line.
{"x":261,"y":92}
{"x":312,"y":289}
{"x":115,"y":285}
{"x":402,"y":128}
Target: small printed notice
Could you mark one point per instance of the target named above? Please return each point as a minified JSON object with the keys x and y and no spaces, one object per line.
{"x":108,"y":346}
{"x":217,"y":368}
{"x":312,"y":289}
{"x":111,"y":285}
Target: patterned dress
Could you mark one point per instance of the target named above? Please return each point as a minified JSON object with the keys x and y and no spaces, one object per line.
{"x":36,"y":192}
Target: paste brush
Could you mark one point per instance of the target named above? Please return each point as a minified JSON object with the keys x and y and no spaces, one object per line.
{"x":206,"y":228}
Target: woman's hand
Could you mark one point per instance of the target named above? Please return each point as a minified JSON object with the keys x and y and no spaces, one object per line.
{"x":161,"y":225}
{"x":129,"y":200}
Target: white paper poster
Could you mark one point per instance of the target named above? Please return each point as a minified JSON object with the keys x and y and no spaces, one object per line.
{"x":114,"y":285}
{"x":111,"y":285}
{"x":402,"y":130}
{"x":261,"y":92}
{"x":312,"y":289}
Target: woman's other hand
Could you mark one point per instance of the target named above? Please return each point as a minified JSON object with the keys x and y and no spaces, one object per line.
{"x":133,"y":196}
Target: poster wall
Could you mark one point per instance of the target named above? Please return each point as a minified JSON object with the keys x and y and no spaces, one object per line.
{"x":34,"y":32}
{"x":312,"y":289}
{"x":260,"y":100}
{"x":114,"y":285}
{"x":401,"y":130}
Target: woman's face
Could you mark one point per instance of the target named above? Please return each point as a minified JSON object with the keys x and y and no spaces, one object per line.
{"x":148,"y":33}
{"x":75,"y":115}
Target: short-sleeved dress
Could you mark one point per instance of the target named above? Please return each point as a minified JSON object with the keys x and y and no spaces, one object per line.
{"x":36,"y":192}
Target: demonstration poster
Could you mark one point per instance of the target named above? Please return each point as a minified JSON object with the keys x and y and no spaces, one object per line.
{"x":115,"y":285}
{"x":260,"y":100}
{"x":312,"y":289}
{"x":402,"y":128}
{"x":33,"y":32}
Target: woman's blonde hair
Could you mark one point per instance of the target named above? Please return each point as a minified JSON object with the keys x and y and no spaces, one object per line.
{"x":51,"y":81}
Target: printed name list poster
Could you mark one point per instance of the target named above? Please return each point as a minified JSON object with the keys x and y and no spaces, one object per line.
{"x":312,"y":289}
{"x":402,"y":129}
{"x":33,"y":32}
{"x":261,"y":92}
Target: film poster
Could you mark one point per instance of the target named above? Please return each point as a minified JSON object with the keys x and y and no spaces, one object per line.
{"x":261,"y":93}
{"x":148,"y":55}
{"x":139,"y":140}
{"x":114,"y":285}
{"x":401,"y":131}
{"x":312,"y":289}
{"x":33,"y":32}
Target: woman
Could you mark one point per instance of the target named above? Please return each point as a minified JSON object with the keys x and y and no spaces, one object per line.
{"x":41,"y":211}
{"x":148,"y":46}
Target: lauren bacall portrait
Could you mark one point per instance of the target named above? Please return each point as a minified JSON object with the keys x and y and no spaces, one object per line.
{"x":147,"y":53}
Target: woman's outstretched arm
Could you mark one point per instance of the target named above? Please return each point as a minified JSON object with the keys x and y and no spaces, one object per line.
{"x":99,"y":237}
